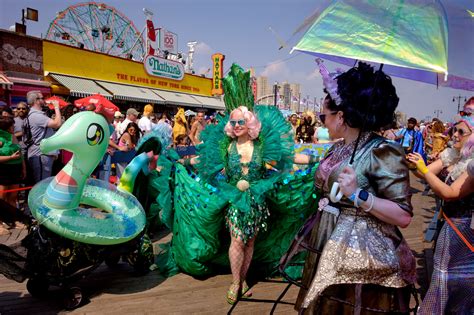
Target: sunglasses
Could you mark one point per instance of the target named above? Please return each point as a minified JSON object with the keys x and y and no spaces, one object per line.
{"x":40,"y":98}
{"x":240,"y":122}
{"x":465,"y":114}
{"x":21,"y":108}
{"x":322,"y":117}
{"x":461,"y":132}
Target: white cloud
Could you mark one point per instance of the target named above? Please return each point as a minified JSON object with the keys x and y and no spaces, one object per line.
{"x":276,"y":69}
{"x":203,"y":49}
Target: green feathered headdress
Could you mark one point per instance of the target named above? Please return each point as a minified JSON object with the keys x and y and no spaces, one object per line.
{"x":237,"y":89}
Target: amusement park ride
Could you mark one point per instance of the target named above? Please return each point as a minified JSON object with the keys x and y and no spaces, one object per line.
{"x":102,"y":28}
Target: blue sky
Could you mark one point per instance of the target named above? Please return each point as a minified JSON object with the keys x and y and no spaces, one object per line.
{"x":239,"y":29}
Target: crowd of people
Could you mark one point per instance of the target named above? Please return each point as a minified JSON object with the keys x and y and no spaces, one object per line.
{"x":363,"y":263}
{"x":24,"y":126}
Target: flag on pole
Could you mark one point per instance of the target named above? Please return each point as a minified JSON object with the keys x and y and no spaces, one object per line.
{"x":151,"y":35}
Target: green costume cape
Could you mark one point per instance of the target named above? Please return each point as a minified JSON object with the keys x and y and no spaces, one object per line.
{"x":193,"y":203}
{"x":199,"y":200}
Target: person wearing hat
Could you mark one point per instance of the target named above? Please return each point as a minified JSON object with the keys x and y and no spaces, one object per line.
{"x":117,"y":116}
{"x":410,"y":139}
{"x":145,"y":123}
{"x":132,"y":116}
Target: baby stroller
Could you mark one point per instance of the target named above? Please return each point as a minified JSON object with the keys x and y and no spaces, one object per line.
{"x":47,"y":259}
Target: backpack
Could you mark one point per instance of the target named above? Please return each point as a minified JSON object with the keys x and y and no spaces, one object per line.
{"x":27,"y":135}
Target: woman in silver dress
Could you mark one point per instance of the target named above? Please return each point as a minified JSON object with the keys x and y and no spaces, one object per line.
{"x":365,"y":265}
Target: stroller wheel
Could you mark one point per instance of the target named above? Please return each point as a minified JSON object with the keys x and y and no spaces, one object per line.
{"x":37,"y":287}
{"x":72,"y":298}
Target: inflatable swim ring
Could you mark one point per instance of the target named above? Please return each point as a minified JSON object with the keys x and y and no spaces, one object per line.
{"x":86,"y":210}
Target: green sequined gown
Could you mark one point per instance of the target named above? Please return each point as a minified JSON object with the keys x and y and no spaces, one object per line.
{"x":198,"y":204}
{"x":246,"y":224}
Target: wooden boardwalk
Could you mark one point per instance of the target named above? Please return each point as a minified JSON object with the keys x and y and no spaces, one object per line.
{"x":118,"y":291}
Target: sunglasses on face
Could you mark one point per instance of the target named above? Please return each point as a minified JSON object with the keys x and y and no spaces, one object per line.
{"x":40,"y":98}
{"x":21,"y":108}
{"x":461,"y":132}
{"x":240,"y":122}
{"x":322,"y":117}
{"x":465,"y":114}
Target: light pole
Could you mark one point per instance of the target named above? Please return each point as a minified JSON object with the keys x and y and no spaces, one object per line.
{"x":28,"y":14}
{"x":275,"y":92}
{"x":437,"y":112}
{"x":299,"y":102}
{"x":459,"y":101}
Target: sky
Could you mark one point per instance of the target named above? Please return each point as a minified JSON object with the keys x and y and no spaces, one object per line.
{"x":240,"y":29}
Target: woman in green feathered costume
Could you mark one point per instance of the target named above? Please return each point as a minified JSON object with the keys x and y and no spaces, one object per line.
{"x":236,"y":160}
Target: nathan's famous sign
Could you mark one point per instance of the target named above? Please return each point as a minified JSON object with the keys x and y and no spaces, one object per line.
{"x":164,"y":68}
{"x":217,"y":73}
{"x":92,"y":65}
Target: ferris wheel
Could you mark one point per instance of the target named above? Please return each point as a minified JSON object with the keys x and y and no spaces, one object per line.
{"x":97,"y":27}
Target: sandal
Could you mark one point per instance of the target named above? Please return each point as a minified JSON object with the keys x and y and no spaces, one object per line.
{"x":233,"y":293}
{"x":246,"y":292}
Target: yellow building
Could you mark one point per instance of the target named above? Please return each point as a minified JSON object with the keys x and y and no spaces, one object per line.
{"x":79,"y":73}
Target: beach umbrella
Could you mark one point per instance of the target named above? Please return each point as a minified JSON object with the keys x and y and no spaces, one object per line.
{"x":103,"y":105}
{"x":95,"y":100}
{"x":425,"y":40}
{"x":60,"y":100}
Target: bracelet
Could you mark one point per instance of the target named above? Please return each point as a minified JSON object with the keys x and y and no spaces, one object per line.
{"x":371,"y":203}
{"x":423,"y":169}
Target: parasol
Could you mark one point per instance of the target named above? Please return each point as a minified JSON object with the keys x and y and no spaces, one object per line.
{"x":103,"y":105}
{"x":60,"y":100}
{"x":96,"y":99}
{"x":410,"y":37}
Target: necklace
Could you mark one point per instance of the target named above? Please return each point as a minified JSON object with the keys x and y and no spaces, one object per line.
{"x":342,"y":150}
{"x":336,"y":155}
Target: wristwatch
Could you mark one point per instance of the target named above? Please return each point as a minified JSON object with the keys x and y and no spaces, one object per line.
{"x":363,"y":195}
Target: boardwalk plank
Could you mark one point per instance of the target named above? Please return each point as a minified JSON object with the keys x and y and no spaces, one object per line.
{"x":118,"y":291}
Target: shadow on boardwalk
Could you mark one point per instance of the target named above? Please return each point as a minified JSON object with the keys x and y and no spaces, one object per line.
{"x":119,"y":291}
